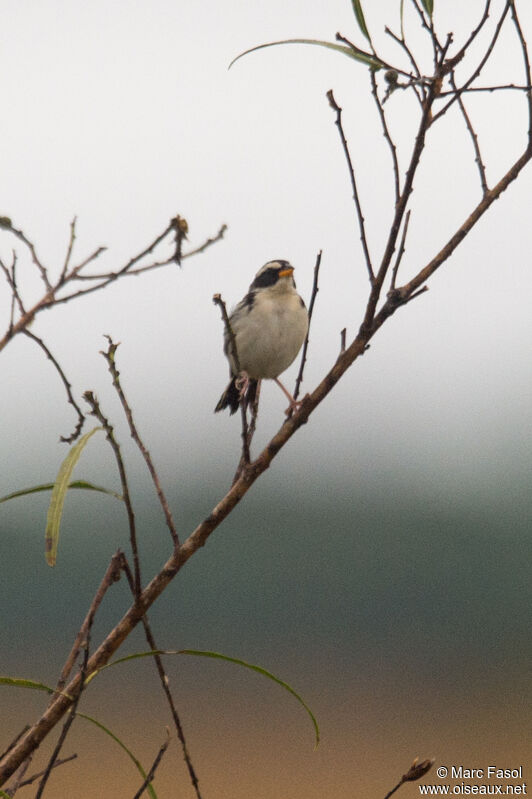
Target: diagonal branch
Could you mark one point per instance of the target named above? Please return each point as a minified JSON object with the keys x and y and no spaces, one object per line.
{"x":361,"y":223}
{"x":115,"y":374}
{"x":474,"y":137}
{"x":68,"y":386}
{"x":165,"y":683}
{"x":96,"y":411}
{"x":313,"y":295}
{"x":387,"y":136}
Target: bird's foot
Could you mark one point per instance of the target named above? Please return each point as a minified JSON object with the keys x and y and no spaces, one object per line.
{"x":242,"y":384}
{"x":294,"y":404}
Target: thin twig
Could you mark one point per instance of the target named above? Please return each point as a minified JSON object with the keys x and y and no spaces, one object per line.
{"x":69,"y":721}
{"x":334,"y":105}
{"x":414,"y":773}
{"x":151,"y":773}
{"x":70,"y":247}
{"x":19,"y":778}
{"x":68,"y":386}
{"x":386,"y":134}
{"x":165,"y":683}
{"x":313,"y":295}
{"x":58,"y":762}
{"x":17,"y":737}
{"x":245,"y":457}
{"x":400,"y":252}
{"x":40,"y":266}
{"x":115,"y":374}
{"x":109,"y":430}
{"x":111,"y":576}
{"x":526,"y":61}
{"x":474,"y":137}
{"x":474,"y":75}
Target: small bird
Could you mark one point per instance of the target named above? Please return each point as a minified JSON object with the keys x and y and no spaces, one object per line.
{"x":269,"y":327}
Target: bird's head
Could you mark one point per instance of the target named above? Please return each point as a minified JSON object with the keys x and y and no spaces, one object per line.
{"x":275,"y":274}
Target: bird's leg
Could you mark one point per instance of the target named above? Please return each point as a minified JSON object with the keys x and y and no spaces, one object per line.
{"x":242,"y":384}
{"x":294,"y":404}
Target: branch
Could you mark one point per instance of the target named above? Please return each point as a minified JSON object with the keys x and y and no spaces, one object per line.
{"x":165,"y":683}
{"x":386,"y":134}
{"x":334,"y":105}
{"x":115,"y":374}
{"x":151,"y":773}
{"x":96,"y":411}
{"x":400,"y":252}
{"x":68,"y":723}
{"x":481,"y":64}
{"x":111,"y":576}
{"x":474,"y":138}
{"x":313,"y":295}
{"x":68,"y":386}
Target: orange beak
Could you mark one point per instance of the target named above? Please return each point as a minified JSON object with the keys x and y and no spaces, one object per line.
{"x":286,"y":272}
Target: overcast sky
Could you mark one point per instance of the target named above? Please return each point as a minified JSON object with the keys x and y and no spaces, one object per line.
{"x":125,"y":115}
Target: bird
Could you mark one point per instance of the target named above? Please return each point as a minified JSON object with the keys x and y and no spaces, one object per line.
{"x":269,"y":326}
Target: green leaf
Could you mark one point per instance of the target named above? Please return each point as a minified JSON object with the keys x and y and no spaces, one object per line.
{"x":262,"y":671}
{"x":134,"y":656}
{"x":49,"y":486}
{"x":359,"y":14}
{"x":57,"y":500}
{"x":120,"y":743}
{"x":18,"y":682}
{"x":219,"y":656}
{"x":5,"y":795}
{"x":428,"y":5}
{"x":358,"y":55}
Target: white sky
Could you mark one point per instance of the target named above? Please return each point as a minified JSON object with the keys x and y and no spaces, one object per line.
{"x":124,"y":114}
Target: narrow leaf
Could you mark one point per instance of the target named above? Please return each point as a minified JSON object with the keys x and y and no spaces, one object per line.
{"x":358,"y":55}
{"x":359,"y":14}
{"x":133,"y":656}
{"x":49,"y":486}
{"x":428,"y":5}
{"x":265,"y":673}
{"x":57,"y":500}
{"x":120,"y":743}
{"x":18,"y":682}
{"x":5,"y":795}
{"x":219,"y":656}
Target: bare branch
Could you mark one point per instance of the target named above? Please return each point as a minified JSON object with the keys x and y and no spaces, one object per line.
{"x":334,"y":105}
{"x":400,"y":252}
{"x":165,"y":683}
{"x":68,"y":386}
{"x":474,"y":138}
{"x":313,"y":295}
{"x":526,"y":61}
{"x":151,"y":774}
{"x":480,"y":67}
{"x":96,"y":411}
{"x":111,"y":576}
{"x":386,"y":134}
{"x":19,"y":778}
{"x":69,"y":721}
{"x":115,"y":374}
{"x":33,"y":777}
{"x":40,"y":266}
{"x":69,"y":251}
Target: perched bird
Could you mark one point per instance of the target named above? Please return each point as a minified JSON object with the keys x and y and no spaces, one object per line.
{"x":269,"y":327}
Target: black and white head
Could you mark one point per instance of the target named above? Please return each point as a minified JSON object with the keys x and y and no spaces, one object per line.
{"x":278,"y":274}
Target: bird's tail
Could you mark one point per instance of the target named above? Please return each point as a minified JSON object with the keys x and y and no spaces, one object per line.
{"x":231,"y":396}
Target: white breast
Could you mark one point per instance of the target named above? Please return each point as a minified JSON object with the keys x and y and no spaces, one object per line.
{"x":270,"y":335}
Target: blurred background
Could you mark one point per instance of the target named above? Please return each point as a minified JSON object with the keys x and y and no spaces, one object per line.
{"x":382,"y":565}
